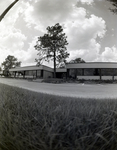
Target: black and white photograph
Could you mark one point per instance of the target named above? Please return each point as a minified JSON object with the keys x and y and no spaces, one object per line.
{"x":58,"y":74}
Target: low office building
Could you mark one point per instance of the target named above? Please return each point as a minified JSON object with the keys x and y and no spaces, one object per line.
{"x":36,"y":72}
{"x":32,"y":71}
{"x":93,"y":71}
{"x":87,"y":71}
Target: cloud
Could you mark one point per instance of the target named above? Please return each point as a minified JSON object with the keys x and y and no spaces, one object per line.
{"x":27,"y":57}
{"x":31,"y":53}
{"x":82,"y":30}
{"x":29,"y":19}
{"x":89,"y":2}
{"x":44,"y":12}
{"x":49,"y":12}
{"x":90,"y":54}
{"x":11,"y":38}
{"x":109,"y":54}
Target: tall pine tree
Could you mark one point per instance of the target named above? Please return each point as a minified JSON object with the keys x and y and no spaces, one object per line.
{"x":52,"y":46}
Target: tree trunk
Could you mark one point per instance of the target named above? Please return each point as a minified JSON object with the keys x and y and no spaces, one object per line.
{"x":54,"y":63}
{"x":7,"y":9}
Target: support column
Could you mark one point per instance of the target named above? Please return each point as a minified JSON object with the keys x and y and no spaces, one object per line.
{"x":67,"y":74}
{"x":36,"y":74}
{"x":83,"y":72}
{"x":76,"y":74}
{"x":113,"y":74}
{"x":15,"y":74}
{"x":100,"y":74}
{"x":42,"y":73}
{"x":24,"y":74}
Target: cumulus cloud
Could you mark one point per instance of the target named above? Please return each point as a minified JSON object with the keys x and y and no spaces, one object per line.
{"x":81,"y":30}
{"x":90,"y":54}
{"x":82,"y":34}
{"x":47,"y":12}
{"x":44,"y":12}
{"x":109,"y":54}
{"x":11,"y":38}
{"x":31,"y":54}
{"x":29,"y":19}
{"x":86,"y":1}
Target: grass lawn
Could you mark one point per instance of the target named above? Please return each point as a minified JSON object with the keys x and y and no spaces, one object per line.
{"x":35,"y":121}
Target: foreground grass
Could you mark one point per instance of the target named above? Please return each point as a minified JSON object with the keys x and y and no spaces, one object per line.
{"x":35,"y":121}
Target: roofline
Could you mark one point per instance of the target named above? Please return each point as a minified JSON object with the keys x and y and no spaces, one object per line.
{"x":31,"y":66}
{"x":66,"y":64}
{"x":92,"y":63}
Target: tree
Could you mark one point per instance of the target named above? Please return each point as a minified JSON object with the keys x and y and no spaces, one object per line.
{"x":7,"y":9}
{"x":114,"y":3}
{"x":52,"y":46}
{"x":77,"y":60}
{"x":10,"y":62}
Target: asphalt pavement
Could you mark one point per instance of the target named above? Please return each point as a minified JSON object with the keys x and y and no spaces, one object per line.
{"x":66,"y":89}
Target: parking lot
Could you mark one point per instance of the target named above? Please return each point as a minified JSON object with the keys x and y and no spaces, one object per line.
{"x":66,"y":89}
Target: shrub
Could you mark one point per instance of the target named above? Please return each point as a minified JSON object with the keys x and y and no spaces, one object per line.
{"x":53,"y":80}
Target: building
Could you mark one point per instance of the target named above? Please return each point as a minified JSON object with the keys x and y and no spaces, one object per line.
{"x":36,"y":72}
{"x":93,"y":71}
{"x":87,"y":71}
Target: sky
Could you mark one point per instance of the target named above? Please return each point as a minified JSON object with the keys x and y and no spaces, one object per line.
{"x":89,"y":25}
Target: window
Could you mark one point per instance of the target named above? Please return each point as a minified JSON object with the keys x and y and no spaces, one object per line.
{"x":107,"y":72}
{"x":89,"y":72}
{"x":38,"y":73}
